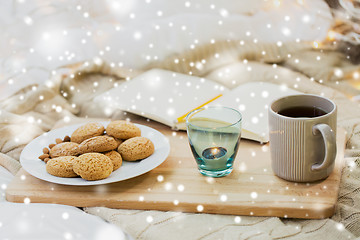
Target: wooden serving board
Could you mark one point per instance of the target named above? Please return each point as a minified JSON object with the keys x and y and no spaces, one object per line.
{"x":176,"y":185}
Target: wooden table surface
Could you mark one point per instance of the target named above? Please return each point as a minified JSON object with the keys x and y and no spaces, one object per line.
{"x":176,"y":185}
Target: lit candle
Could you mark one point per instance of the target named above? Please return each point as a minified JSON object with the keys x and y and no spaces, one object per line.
{"x":215,"y":158}
{"x":214,"y":152}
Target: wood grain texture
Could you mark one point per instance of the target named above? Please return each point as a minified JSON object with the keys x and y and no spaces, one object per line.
{"x":176,"y":185}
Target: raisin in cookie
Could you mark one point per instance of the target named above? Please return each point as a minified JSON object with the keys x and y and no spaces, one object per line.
{"x":93,"y":166}
{"x":136,"y":148}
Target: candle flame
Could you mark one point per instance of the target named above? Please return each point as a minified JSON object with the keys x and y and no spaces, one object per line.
{"x":215,"y":151}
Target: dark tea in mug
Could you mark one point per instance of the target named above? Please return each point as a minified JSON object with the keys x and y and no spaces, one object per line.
{"x":302,"y":111}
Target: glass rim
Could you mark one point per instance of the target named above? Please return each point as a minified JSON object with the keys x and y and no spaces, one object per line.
{"x":213,"y":107}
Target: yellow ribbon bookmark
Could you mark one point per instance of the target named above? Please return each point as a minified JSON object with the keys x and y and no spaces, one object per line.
{"x":182,"y":118}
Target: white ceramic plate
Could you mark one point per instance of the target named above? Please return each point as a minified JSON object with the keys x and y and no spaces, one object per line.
{"x":36,"y":167}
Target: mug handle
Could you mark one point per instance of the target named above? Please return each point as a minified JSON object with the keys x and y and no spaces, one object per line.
{"x":330,"y":146}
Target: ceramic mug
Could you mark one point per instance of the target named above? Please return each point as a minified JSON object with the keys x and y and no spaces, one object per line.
{"x":303,"y":137}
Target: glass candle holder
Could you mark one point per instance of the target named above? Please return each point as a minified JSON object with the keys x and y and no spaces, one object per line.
{"x":214,"y":135}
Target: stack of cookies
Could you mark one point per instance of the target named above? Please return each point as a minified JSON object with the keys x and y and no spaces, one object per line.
{"x":93,"y":152}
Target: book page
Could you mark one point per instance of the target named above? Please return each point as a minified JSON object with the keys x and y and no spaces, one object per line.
{"x":161,"y":95}
{"x":253,"y":100}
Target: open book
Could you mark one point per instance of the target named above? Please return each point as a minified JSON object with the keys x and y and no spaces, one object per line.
{"x":167,"y":97}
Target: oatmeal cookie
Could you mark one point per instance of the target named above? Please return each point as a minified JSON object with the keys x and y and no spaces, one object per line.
{"x":136,"y":148}
{"x":116,"y":159}
{"x":64,"y":149}
{"x":98,"y":144}
{"x":61,"y":166}
{"x":93,"y":166}
{"x":87,"y":131}
{"x":123,"y":129}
